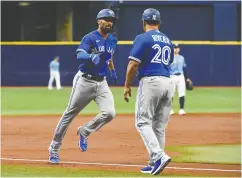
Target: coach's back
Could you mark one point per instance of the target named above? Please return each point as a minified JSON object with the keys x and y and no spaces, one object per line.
{"x":154,"y":52}
{"x":150,"y":57}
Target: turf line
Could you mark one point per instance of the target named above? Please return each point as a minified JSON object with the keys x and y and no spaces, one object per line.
{"x":122,"y":165}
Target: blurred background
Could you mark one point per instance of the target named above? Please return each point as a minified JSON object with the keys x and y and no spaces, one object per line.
{"x":209,"y":34}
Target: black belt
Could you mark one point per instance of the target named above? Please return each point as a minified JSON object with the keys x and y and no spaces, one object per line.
{"x":92,"y":77}
{"x":177,"y":74}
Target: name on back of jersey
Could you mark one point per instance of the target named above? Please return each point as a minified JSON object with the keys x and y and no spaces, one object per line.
{"x":161,"y":38}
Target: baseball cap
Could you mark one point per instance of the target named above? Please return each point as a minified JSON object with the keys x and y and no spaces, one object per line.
{"x":175,"y":45}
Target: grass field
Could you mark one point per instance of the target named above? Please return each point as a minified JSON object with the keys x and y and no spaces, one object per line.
{"x":30,"y":171}
{"x":219,"y":154}
{"x":39,"y":100}
{"x":27,"y":101}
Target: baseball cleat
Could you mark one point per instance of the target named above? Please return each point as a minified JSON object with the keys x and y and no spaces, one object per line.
{"x":172,"y":112}
{"x":181,"y":112}
{"x":60,"y":88}
{"x":54,"y":157}
{"x":160,"y":164}
{"x":146,"y":169}
{"x":82,"y":143}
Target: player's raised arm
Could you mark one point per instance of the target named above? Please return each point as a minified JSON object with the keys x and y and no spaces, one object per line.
{"x":84,"y":47}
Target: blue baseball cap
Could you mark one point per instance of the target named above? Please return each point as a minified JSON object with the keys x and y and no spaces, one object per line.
{"x":106,"y":13}
{"x":151,"y":15}
{"x":175,"y":45}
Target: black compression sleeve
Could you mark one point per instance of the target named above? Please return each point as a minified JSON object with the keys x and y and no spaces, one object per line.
{"x":185,"y":72}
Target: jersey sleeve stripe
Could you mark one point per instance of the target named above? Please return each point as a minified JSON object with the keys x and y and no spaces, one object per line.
{"x":109,"y":60}
{"x":135,"y":59}
{"x":81,"y":50}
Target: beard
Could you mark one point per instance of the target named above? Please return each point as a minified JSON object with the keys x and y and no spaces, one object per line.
{"x":106,"y":29}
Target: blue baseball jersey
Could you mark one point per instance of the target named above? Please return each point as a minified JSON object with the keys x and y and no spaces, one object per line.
{"x":95,"y":41}
{"x":154,"y":51}
{"x":54,"y":65}
{"x":178,"y":64}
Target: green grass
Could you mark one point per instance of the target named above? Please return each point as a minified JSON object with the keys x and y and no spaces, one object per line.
{"x":31,"y":171}
{"x":213,"y":100}
{"x":222,"y":154}
{"x":39,"y":100}
{"x":219,"y":154}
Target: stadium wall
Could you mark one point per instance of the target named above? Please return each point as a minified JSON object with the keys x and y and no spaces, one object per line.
{"x":209,"y":64}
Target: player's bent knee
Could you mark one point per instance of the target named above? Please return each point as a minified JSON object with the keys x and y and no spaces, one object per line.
{"x":109,"y":114}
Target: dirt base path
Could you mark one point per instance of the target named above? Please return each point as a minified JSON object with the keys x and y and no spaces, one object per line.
{"x":118,"y":142}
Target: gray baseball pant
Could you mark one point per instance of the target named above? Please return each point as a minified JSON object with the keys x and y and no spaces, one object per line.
{"x":83,"y":92}
{"x":153,"y":105}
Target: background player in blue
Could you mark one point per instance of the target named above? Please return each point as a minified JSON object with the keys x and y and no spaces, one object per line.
{"x":95,"y":54}
{"x":150,"y":57}
{"x":178,"y":76}
{"x":54,"y":73}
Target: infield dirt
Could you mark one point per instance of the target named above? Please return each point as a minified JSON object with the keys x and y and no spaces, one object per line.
{"x":118,"y":142}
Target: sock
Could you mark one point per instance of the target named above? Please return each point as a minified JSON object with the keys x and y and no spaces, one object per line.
{"x":182,"y":102}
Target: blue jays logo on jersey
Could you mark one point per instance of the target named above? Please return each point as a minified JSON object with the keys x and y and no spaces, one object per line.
{"x":110,"y":50}
{"x":104,"y":46}
{"x":101,"y":49}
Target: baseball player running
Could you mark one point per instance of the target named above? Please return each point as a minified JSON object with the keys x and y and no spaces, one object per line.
{"x":151,"y":54}
{"x":95,"y":55}
{"x":178,"y":75}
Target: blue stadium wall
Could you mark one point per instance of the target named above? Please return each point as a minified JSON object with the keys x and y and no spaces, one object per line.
{"x":209,"y":64}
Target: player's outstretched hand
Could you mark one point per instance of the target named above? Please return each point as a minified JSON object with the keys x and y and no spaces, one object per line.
{"x":127,"y":92}
{"x":95,"y":58}
{"x":113,"y":75}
